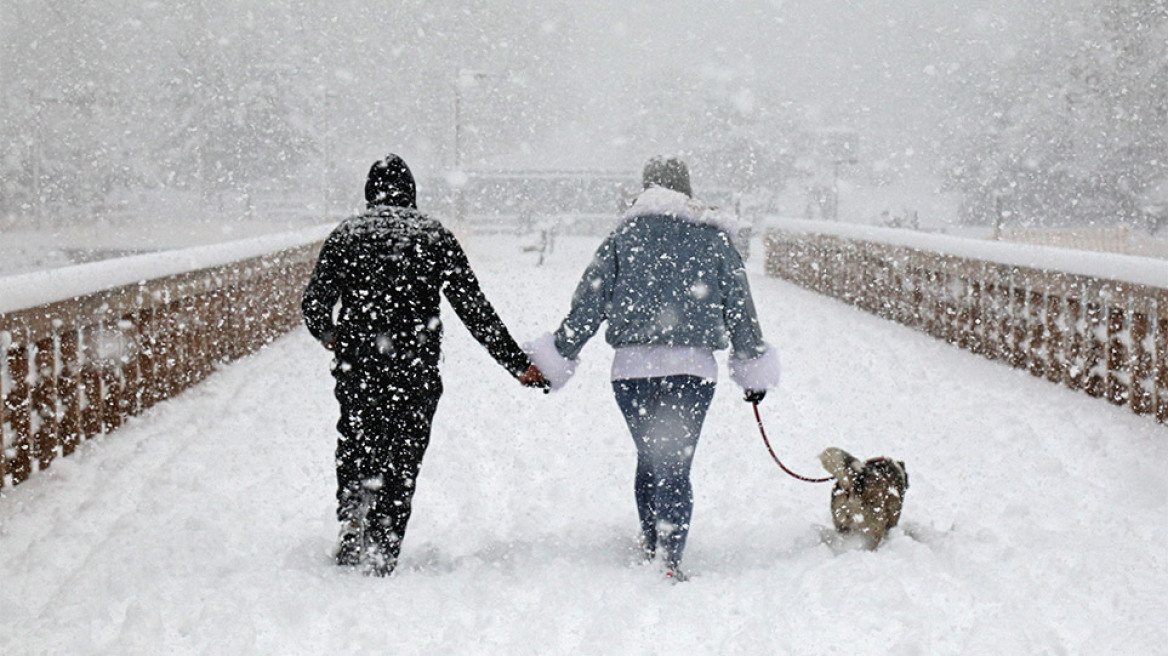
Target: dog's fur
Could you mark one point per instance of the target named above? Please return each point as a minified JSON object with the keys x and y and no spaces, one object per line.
{"x":867,"y":497}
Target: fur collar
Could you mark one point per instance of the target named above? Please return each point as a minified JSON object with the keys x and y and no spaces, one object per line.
{"x":659,"y":201}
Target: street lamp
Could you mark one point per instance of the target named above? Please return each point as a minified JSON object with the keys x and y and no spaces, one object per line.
{"x":464,"y":79}
{"x":837,"y":146}
{"x":326,"y":142}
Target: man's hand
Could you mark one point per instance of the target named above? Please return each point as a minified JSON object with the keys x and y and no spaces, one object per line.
{"x":754,"y":396}
{"x":533,"y":377}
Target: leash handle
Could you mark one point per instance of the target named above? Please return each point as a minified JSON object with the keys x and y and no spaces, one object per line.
{"x":767,"y":442}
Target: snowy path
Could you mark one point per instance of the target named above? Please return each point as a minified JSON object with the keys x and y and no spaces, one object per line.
{"x":204,"y":527}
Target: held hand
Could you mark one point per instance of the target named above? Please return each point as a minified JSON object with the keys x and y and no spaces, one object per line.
{"x":533,"y":377}
{"x":330,"y":343}
{"x":754,"y":396}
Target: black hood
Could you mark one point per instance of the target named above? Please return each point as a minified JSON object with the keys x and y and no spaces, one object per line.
{"x":390,"y":183}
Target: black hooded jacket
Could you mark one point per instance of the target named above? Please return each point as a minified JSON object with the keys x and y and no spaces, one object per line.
{"x":387,"y":268}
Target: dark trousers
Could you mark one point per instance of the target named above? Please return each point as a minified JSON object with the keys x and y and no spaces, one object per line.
{"x":384,"y":431}
{"x":665,"y":416}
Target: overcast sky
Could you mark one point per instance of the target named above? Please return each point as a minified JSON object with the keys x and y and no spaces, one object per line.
{"x":569,"y":74}
{"x":874,"y":65}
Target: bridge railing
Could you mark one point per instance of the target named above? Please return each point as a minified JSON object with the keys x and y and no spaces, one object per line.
{"x":1092,"y":322}
{"x":86,"y":347}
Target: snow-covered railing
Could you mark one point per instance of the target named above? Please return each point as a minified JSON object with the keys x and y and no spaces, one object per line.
{"x":1096,"y":322}
{"x":87,"y":346}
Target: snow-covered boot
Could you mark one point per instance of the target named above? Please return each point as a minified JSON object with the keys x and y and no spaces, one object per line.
{"x":674,"y":573}
{"x":353,"y":536}
{"x":648,"y":547}
{"x":348,"y":551}
{"x":378,"y":561}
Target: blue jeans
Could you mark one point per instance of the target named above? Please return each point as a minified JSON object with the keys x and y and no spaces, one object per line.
{"x":665,"y":416}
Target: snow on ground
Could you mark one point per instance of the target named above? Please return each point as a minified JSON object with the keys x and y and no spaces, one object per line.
{"x":1034,"y":524}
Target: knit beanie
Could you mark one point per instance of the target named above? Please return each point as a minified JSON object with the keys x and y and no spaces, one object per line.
{"x":390,"y":183}
{"x":670,"y":173}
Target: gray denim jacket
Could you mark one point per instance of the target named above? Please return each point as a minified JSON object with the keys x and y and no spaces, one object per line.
{"x":666,"y":276}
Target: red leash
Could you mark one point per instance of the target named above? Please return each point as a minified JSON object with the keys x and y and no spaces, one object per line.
{"x":780,"y":462}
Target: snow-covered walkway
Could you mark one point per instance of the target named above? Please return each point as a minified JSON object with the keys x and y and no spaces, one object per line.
{"x":1036,"y":521}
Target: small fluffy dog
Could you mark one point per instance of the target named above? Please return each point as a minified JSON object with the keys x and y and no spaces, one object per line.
{"x":867,"y":496}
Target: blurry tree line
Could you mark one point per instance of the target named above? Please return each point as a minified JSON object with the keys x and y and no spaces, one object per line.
{"x":1073,"y":129}
{"x":236,"y":98}
{"x":214,"y":98}
{"x":98,"y":102}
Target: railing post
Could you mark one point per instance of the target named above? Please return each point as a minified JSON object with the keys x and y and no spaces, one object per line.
{"x":1076,"y":339}
{"x":17,"y":410}
{"x":200,"y":339}
{"x":932,"y":301}
{"x":991,"y":322}
{"x":917,"y":277}
{"x":129,"y":363}
{"x":5,"y":430}
{"x":167,"y":347}
{"x":1056,"y":357}
{"x":1143,"y":383}
{"x":69,"y":391}
{"x":1036,"y":347}
{"x":1019,"y":331}
{"x":975,"y":316}
{"x":1161,"y":357}
{"x":112,"y":384}
{"x":1117,"y":376}
{"x":92,"y":408}
{"x":148,"y":346}
{"x":44,"y":401}
{"x":1094,"y":356}
{"x":898,"y":271}
{"x":221,"y":336}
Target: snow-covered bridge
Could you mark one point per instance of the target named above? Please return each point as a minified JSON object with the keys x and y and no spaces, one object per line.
{"x":1035,"y":521}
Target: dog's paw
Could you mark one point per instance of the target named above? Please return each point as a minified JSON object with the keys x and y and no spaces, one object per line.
{"x":841,"y":543}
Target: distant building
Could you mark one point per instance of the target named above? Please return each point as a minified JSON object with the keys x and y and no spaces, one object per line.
{"x":573,"y":201}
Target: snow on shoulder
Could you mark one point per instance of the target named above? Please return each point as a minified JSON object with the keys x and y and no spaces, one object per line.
{"x":28,"y":290}
{"x":658,"y":201}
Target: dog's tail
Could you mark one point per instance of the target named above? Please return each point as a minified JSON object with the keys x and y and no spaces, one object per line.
{"x":840,"y":464}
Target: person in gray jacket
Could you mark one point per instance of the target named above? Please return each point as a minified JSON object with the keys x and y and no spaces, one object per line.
{"x":673,"y":290}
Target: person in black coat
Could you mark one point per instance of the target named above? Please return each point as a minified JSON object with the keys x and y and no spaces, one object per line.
{"x":373,"y":299}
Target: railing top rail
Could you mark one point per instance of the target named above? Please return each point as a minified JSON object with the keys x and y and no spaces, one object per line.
{"x":1147,"y":271}
{"x":34,"y":289}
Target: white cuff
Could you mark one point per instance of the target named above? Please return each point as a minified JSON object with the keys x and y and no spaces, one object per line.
{"x":759,"y":373}
{"x":555,"y":367}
